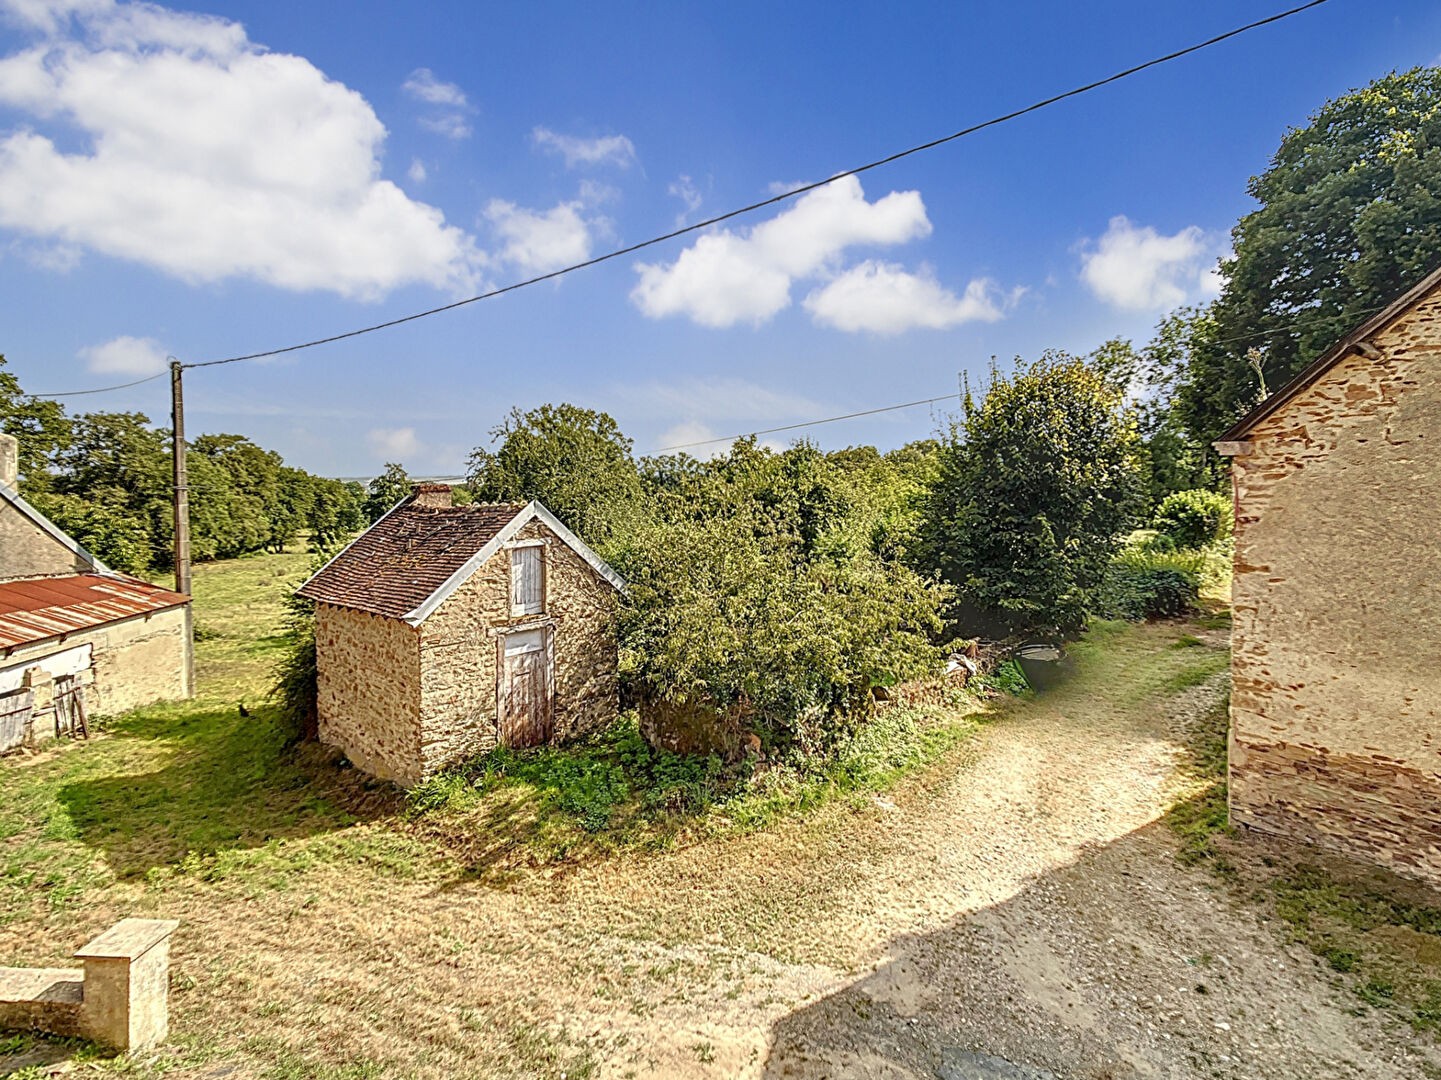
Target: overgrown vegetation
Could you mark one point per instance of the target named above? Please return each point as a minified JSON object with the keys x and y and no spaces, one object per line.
{"x":1193,"y":520}
{"x":616,"y":789}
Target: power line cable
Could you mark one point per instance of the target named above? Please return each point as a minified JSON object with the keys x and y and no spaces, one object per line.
{"x":751,"y":208}
{"x":102,"y":389}
{"x":808,"y":423}
{"x":784,"y":196}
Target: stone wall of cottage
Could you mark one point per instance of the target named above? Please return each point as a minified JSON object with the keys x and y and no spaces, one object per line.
{"x":460,"y":652}
{"x":28,"y":551}
{"x":1336,"y":706}
{"x":133,"y":662}
{"x":368,"y":691}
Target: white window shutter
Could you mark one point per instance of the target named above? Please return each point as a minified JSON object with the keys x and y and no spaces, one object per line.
{"x":527,"y":581}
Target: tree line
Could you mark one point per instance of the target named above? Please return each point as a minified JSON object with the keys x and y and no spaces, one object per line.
{"x":106,"y":479}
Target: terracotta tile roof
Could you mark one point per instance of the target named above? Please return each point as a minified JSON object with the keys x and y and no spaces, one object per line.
{"x":406,"y":556}
{"x":40,"y":608}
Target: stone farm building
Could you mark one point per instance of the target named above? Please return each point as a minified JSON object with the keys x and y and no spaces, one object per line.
{"x":1336,"y":702}
{"x":76,"y":638}
{"x":445,"y":630}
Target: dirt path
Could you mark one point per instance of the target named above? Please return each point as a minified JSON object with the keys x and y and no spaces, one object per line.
{"x":1026,"y":905}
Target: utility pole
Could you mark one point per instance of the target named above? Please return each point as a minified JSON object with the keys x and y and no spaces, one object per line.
{"x":181,"y":505}
{"x":182,"y":492}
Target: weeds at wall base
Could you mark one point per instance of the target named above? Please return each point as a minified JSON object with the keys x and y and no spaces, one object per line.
{"x":1378,"y":934}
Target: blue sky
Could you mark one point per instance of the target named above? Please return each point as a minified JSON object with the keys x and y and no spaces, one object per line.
{"x":205,"y":181}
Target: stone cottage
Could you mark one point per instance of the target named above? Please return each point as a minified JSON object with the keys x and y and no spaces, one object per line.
{"x":445,"y":630}
{"x":76,"y":638}
{"x":1336,"y":707}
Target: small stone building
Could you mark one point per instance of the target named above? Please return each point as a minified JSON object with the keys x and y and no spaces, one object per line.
{"x":445,"y":630}
{"x":1336,"y":647}
{"x":76,"y":638}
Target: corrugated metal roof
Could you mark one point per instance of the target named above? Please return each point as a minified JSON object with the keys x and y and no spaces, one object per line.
{"x":41,"y":608}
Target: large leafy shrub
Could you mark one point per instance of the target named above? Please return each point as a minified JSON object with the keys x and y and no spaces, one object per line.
{"x":1143,"y":583}
{"x":757,"y":600}
{"x":1037,"y":486}
{"x":1191,"y":520}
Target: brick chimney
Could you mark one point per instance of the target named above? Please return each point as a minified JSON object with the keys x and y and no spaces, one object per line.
{"x":9,"y":461}
{"x":431,"y":496}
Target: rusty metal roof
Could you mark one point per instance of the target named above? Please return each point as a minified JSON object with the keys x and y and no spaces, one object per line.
{"x":40,"y":608}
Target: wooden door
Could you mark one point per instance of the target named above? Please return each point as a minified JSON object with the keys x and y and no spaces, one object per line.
{"x":525,"y":706}
{"x":16,"y":709}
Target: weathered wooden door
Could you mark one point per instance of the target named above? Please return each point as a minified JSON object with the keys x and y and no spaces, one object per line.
{"x":527,"y":716}
{"x":16,"y":709}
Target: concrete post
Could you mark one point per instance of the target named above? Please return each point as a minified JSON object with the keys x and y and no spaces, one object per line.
{"x":127,"y":984}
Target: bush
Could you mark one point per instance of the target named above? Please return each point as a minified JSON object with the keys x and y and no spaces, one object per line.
{"x":757,"y":604}
{"x":1194,"y":519}
{"x":1036,"y":490}
{"x":1148,"y":584}
{"x":294,"y":689}
{"x":719,"y":620}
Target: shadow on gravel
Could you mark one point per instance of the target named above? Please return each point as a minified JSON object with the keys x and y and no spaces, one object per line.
{"x":1122,"y":965}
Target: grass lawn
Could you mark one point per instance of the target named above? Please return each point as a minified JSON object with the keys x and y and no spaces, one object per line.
{"x":332,"y":928}
{"x":179,"y":805}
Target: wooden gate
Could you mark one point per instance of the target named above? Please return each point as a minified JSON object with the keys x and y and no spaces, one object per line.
{"x":70,"y":708}
{"x":525,"y":706}
{"x":16,"y":709}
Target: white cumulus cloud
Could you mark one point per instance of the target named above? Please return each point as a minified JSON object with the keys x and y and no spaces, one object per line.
{"x":1136,"y":268}
{"x":424,"y":86}
{"x":884,"y":298}
{"x":539,"y":241}
{"x":729,"y":277}
{"x":126,"y":355}
{"x":393,"y":444}
{"x":577,"y":150}
{"x":684,"y":189}
{"x":190,"y":149}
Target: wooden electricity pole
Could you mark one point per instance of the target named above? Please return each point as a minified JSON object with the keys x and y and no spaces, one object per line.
{"x":182,"y":492}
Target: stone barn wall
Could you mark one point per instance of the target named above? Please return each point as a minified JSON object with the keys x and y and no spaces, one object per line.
{"x":134,"y":662}
{"x":368,"y":691}
{"x":1336,"y":707}
{"x":459,"y":652}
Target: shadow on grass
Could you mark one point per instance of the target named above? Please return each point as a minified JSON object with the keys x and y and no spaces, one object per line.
{"x":228,"y":782}
{"x":26,"y":1055}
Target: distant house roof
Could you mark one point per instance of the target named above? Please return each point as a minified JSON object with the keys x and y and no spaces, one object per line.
{"x":1351,"y":343}
{"x":407,"y":563}
{"x":40,"y":608}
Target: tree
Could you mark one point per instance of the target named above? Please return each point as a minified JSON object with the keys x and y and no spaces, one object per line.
{"x":758,"y":601}
{"x":576,"y":461}
{"x":385,"y":491}
{"x":40,"y":427}
{"x":1037,"y":485}
{"x":1349,"y":217}
{"x":336,"y":511}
